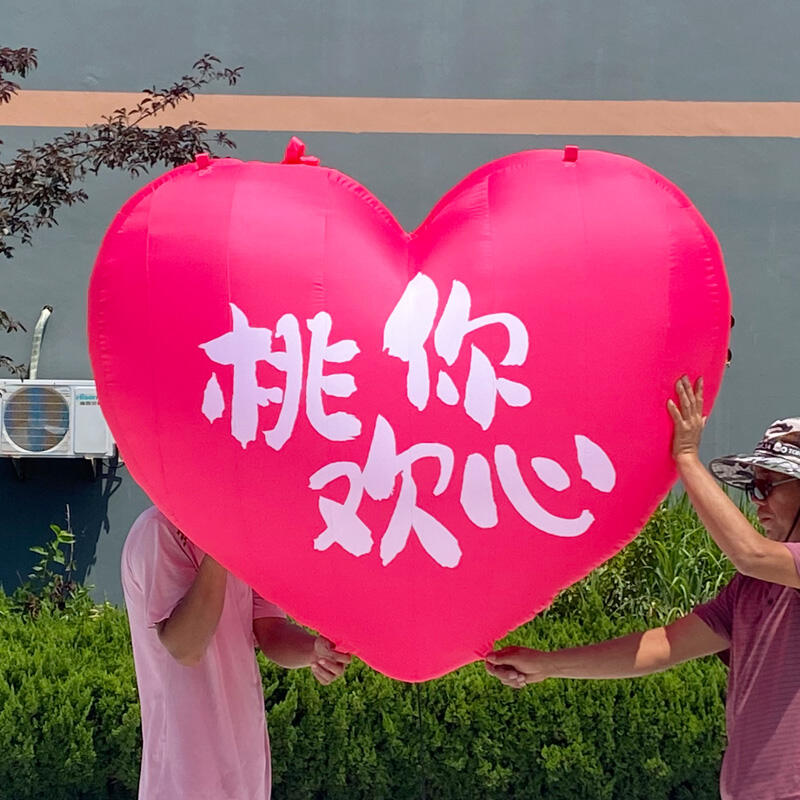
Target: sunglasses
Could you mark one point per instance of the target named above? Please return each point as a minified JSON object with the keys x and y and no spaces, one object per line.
{"x":761,"y":489}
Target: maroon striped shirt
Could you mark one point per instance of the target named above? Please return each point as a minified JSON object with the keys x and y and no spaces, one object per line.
{"x":761,"y":620}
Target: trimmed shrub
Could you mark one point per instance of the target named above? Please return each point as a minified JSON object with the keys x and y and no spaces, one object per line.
{"x":68,"y":706}
{"x":70,"y":727}
{"x":69,"y":724}
{"x":466,"y":736}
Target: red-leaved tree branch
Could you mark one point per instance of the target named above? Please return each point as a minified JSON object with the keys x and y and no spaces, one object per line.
{"x":38,"y":181}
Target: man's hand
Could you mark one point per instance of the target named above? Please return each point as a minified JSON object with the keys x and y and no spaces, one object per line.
{"x":328,"y":664}
{"x":508,"y":676}
{"x":688,"y":419}
{"x":518,"y":666}
{"x":292,"y":647}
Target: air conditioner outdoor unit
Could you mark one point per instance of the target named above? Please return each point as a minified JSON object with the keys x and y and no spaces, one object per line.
{"x":52,"y":419}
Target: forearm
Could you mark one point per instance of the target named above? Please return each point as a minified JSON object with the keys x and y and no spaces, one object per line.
{"x":191,"y":626}
{"x":728,"y":527}
{"x":286,"y":644}
{"x":626,"y":657}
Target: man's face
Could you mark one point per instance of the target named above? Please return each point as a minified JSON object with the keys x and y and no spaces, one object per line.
{"x":776,"y":514}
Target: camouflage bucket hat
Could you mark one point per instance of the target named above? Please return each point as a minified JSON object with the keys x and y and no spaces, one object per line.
{"x":770,"y":453}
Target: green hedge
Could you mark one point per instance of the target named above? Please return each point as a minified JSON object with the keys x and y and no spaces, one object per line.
{"x":70,"y":727}
{"x":69,"y":723}
{"x":69,"y":719}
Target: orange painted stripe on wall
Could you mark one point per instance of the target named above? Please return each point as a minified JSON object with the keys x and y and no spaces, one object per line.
{"x":64,"y":109}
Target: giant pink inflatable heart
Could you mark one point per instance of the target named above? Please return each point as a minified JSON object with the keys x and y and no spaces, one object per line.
{"x":411,"y":442}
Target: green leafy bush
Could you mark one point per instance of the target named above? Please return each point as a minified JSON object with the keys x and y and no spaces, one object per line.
{"x":69,"y":724}
{"x":69,"y":719}
{"x":466,"y":736}
{"x":68,"y":705}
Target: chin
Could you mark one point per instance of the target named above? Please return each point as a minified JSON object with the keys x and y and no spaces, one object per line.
{"x":776,"y":536}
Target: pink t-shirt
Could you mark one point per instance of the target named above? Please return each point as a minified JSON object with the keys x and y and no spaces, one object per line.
{"x":761,"y":620}
{"x":204,"y":727}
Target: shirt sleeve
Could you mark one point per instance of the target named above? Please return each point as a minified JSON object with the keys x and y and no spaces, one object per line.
{"x":160,"y":568}
{"x":718,"y":613}
{"x":263,"y":608}
{"x":794,"y":549}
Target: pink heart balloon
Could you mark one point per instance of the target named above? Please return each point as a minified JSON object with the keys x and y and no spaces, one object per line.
{"x":411,"y":442}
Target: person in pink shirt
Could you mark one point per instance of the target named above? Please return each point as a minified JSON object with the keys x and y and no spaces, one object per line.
{"x":194,"y":628}
{"x":756,"y":616}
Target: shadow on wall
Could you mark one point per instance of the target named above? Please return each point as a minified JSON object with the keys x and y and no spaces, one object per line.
{"x":29,"y":506}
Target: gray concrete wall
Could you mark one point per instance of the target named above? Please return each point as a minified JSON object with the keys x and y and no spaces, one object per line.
{"x":572,"y":49}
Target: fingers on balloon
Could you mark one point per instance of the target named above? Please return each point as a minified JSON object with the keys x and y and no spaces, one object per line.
{"x":698,"y":393}
{"x":673,"y":410}
{"x":691,"y":398}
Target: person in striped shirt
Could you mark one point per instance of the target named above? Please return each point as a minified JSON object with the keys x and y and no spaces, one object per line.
{"x":756,"y":617}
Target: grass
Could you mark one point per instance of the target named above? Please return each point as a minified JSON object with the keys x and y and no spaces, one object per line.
{"x":672,"y":566}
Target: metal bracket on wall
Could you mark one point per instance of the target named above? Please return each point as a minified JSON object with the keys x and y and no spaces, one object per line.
{"x":19,"y":468}
{"x":95,"y":467}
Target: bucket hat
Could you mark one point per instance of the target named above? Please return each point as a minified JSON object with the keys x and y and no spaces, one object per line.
{"x":772,"y":453}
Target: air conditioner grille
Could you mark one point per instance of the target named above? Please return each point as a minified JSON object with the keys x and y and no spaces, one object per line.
{"x":36,"y":418}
